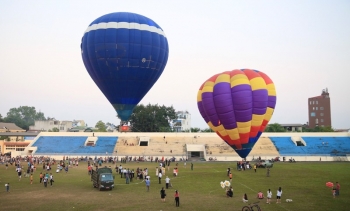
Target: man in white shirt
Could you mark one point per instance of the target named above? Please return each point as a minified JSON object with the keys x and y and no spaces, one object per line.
{"x":160,"y":177}
{"x":167,"y":181}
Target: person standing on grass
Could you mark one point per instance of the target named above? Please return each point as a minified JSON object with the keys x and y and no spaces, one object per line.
{"x":230,"y":176}
{"x":267,"y":171}
{"x":41,"y":177}
{"x":337,"y":188}
{"x":19,"y":172}
{"x":45,"y":182}
{"x":31,"y":178}
{"x":7,"y":185}
{"x":255,"y":168}
{"x":160,"y":177}
{"x":279,"y":194}
{"x":177,"y":198}
{"x":162,"y":194}
{"x":51,"y":179}
{"x":148,"y":183}
{"x":167,"y":181}
{"x":192,"y":166}
{"x":269,"y":196}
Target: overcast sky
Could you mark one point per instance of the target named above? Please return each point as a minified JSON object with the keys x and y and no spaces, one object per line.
{"x":304,"y":46}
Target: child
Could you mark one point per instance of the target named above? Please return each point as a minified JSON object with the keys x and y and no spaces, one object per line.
{"x":245,"y":198}
{"x":333,"y":192}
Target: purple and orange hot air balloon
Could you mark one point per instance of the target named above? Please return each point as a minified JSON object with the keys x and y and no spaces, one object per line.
{"x":237,"y":105}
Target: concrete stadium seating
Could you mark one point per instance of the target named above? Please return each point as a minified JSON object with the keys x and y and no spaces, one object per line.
{"x":325,"y":147}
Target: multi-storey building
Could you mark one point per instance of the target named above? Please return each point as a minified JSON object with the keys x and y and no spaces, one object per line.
{"x":46,"y":125}
{"x":320,"y":110}
{"x":183,"y":121}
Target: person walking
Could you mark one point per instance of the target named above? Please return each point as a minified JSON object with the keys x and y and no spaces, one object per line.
{"x":45,"y":182}
{"x":177,"y":198}
{"x":269,"y":196}
{"x":167,"y":181}
{"x":31,"y":178}
{"x":279,"y":194}
{"x":160,"y":177}
{"x":51,"y":179}
{"x":267,"y":171}
{"x":191,"y":166}
{"x":148,"y":183}
{"x":255,"y":168}
{"x":162,"y":194}
{"x":230,"y":175}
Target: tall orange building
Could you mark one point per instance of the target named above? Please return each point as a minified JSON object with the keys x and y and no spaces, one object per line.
{"x":320,"y":110}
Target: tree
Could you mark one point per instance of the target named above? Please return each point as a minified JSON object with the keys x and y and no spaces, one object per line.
{"x":101,"y":127}
{"x":319,"y":129}
{"x":207,"y":130}
{"x":1,"y":119}
{"x":152,"y":118}
{"x":24,"y":116}
{"x":55,"y":129}
{"x":275,"y":127}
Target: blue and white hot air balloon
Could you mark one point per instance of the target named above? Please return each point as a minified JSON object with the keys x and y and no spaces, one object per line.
{"x":125,"y":54}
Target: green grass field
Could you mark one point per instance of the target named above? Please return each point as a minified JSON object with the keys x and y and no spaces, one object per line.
{"x":304,"y":182}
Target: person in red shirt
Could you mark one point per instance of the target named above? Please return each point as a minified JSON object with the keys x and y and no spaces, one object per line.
{"x":89,"y":170}
{"x":260,"y":195}
{"x":177,"y":198}
{"x":337,"y":189}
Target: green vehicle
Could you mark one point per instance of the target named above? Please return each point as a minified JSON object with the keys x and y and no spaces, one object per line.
{"x":264,"y":164}
{"x":102,"y":178}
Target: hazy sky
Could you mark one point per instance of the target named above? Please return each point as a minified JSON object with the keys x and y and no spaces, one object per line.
{"x":304,"y":46}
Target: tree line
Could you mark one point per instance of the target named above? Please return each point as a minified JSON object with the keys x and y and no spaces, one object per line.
{"x":145,"y":118}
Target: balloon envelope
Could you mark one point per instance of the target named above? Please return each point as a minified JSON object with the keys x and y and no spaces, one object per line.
{"x":125,"y":54}
{"x":237,"y":105}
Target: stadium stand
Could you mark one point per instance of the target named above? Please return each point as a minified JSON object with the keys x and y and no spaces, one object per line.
{"x":74,"y":144}
{"x":285,"y":146}
{"x":335,"y":146}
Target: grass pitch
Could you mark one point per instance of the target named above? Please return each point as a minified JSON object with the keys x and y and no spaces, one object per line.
{"x":303,"y":182}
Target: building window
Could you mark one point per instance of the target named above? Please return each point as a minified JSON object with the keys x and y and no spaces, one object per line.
{"x":321,"y":114}
{"x":316,"y":102}
{"x":321,"y":120}
{"x":316,"y":108}
{"x":310,"y":102}
{"x":313,"y":108}
{"x":61,"y":128}
{"x":321,"y":108}
{"x":312,"y":114}
{"x":316,"y":121}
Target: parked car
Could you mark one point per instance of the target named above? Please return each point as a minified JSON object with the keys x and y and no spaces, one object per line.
{"x":264,"y":164}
